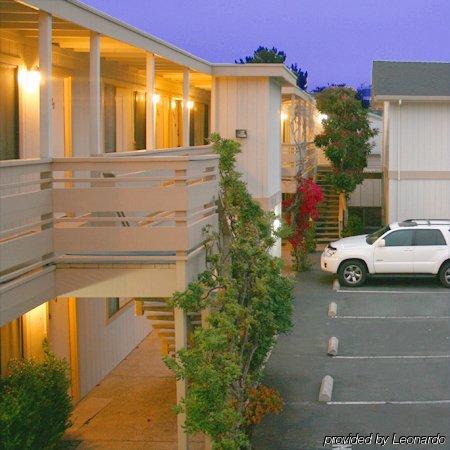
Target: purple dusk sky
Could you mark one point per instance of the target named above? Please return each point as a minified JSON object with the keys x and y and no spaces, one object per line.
{"x":335,"y":40}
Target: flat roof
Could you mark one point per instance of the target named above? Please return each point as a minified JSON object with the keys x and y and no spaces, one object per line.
{"x":279,"y":71}
{"x":415,"y":80}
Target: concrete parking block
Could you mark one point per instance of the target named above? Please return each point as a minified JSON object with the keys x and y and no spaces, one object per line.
{"x":332,"y":309}
{"x":326,"y":389}
{"x":333,"y":344}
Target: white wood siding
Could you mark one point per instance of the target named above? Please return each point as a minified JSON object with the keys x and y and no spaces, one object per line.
{"x":417,"y":143}
{"x":368,"y":193}
{"x":103,"y":344}
{"x":422,"y":132}
{"x":253,"y":104}
{"x":274,"y":140}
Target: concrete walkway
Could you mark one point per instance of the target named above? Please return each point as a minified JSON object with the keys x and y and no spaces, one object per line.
{"x":132,"y":407}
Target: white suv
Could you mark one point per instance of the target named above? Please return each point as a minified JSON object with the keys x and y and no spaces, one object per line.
{"x":415,"y":246}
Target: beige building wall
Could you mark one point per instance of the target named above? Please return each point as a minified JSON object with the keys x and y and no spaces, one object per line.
{"x":253,"y":104}
{"x":103,"y":342}
{"x":417,"y":160}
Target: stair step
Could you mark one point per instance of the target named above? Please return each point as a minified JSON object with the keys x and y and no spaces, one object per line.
{"x":162,"y":324}
{"x":159,"y":313}
{"x":150,"y":304}
{"x":165,"y":332}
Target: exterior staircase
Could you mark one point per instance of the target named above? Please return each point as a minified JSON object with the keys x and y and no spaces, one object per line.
{"x":327,"y":226}
{"x":161,"y":316}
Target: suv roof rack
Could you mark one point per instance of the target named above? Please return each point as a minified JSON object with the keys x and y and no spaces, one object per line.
{"x":415,"y":222}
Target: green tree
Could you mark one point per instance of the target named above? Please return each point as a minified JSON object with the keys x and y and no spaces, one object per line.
{"x":264,"y":55}
{"x":34,"y":404}
{"x":250,"y":303}
{"x":346,"y":136}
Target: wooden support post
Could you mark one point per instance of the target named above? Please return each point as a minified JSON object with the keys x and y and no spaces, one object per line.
{"x":45,"y":91}
{"x":213,"y":110}
{"x":94,"y":95}
{"x":186,"y":111}
{"x":292,"y":128}
{"x":150,"y":115}
{"x":181,"y":337}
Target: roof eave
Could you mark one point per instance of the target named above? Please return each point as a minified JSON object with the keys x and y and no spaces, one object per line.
{"x":92,"y":19}
{"x":278,"y":71}
{"x":411,"y":98}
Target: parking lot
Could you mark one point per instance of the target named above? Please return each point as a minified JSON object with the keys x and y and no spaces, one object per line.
{"x":391,"y":374}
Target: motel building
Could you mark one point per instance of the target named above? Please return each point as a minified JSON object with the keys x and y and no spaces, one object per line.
{"x":107,"y":179}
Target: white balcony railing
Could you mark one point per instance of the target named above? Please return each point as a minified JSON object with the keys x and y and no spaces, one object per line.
{"x":107,"y":205}
{"x":298,"y":158}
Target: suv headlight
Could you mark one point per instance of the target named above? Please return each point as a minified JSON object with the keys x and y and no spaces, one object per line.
{"x":330,"y":250}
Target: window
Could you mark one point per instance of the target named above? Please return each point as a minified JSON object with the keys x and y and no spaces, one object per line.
{"x":402,"y":238}
{"x":377,"y":234}
{"x":9,"y":113}
{"x":370,"y":216}
{"x":115,"y":304}
{"x":139,"y":120}
{"x":429,"y":237}
{"x":109,"y":125}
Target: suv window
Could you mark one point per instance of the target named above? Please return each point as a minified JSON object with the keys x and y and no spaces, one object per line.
{"x":401,"y":238}
{"x":429,"y":237}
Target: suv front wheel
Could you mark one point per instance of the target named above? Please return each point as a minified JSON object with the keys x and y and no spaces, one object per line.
{"x":352,"y":273}
{"x":444,"y":274}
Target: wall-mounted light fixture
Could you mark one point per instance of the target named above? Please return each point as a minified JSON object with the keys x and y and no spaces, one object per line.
{"x":323,"y":117}
{"x":283,"y":116}
{"x":173,"y":104}
{"x":29,"y":80}
{"x":156,"y":98}
{"x":190,"y":104}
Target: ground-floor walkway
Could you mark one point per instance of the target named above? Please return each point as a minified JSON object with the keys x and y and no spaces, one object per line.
{"x":132,"y":407}
{"x":391,"y":375}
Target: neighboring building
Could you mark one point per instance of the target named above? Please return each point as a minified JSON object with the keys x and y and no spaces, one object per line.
{"x":415,"y":98}
{"x":367,"y":199}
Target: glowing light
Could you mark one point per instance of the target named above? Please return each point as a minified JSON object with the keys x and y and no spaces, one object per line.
{"x":156,"y":98}
{"x":29,"y":80}
{"x":283,"y":116}
{"x":276,"y":224}
{"x":323,"y":117}
{"x":190,"y":104}
{"x":173,"y":104}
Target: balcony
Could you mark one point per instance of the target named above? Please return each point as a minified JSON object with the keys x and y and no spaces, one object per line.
{"x":297,"y":159}
{"x":147,"y":207}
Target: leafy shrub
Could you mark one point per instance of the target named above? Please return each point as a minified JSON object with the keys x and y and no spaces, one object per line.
{"x":250,"y":303}
{"x":354,"y":226}
{"x":301,"y":212}
{"x":34,"y":403}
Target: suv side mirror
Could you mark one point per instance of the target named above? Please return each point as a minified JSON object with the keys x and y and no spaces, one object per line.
{"x":381,"y":243}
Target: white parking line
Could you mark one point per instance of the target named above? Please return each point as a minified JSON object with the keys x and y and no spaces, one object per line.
{"x":394,"y":317}
{"x":407,"y":402}
{"x":394,"y":357}
{"x":353,"y":291}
